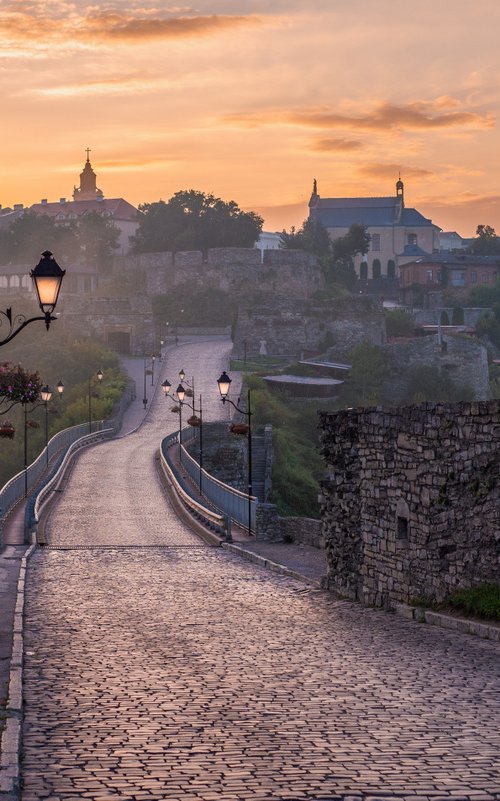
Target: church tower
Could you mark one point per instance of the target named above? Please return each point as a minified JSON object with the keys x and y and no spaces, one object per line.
{"x":88,"y":189}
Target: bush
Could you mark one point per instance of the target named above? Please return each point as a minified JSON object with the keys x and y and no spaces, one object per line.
{"x":399,"y":323}
{"x":482,"y":601}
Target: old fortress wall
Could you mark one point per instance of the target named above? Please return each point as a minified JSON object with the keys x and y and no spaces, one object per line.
{"x":411,"y":508}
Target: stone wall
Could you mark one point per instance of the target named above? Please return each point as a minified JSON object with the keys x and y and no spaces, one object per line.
{"x":239,"y":271}
{"x":458,"y":357}
{"x":101,"y":317}
{"x":411,"y":508}
{"x":302,"y":531}
{"x":290,"y":327}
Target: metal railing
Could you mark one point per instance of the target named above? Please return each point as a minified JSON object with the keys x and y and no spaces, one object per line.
{"x":14,"y":490}
{"x":214,"y":520}
{"x":33,"y":515}
{"x":227,"y":499}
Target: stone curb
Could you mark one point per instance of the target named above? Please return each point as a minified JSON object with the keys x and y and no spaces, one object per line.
{"x":11,"y":737}
{"x":486,"y":631}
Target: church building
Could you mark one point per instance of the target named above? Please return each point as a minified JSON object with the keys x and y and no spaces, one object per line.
{"x":88,"y":198}
{"x":398,"y":234}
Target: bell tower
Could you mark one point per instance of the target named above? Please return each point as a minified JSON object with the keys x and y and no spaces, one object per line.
{"x":88,"y":189}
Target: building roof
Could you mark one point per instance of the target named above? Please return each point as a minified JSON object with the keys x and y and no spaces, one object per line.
{"x":116,"y":208}
{"x":455,"y":260}
{"x":370,"y":211}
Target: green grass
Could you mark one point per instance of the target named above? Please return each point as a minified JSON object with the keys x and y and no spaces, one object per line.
{"x":482,"y":601}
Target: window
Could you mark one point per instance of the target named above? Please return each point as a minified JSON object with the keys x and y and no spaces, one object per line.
{"x":473,"y":277}
{"x":391,"y":269}
{"x":363,"y":271}
{"x":411,"y":239}
{"x":375,"y":242}
{"x":457,"y":278}
{"x":402,"y":528}
{"x":485,"y":278}
{"x":430,"y":277}
{"x":376,"y":268}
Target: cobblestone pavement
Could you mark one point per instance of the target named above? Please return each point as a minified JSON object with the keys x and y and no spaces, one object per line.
{"x":178,"y":671}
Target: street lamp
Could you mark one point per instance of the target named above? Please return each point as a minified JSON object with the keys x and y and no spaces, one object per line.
{"x":47,"y":277}
{"x":149,"y":367}
{"x":180,"y":392}
{"x":99,"y":375}
{"x":224,"y":383}
{"x":60,"y":387}
{"x":46,"y":396}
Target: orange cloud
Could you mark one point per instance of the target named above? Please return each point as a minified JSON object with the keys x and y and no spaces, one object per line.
{"x":115,"y":26}
{"x":390,"y":170}
{"x":337,"y":145}
{"x":420,"y":115}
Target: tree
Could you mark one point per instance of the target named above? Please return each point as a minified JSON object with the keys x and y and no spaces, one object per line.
{"x":340,"y":268}
{"x":399,"y":323}
{"x":193,"y":220}
{"x":29,"y":235}
{"x":97,"y":238}
{"x":364,"y":382}
{"x":486,"y":241}
{"x":311,"y":237}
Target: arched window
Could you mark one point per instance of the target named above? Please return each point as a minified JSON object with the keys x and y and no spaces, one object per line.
{"x":391,"y":269}
{"x":376,"y":268}
{"x":26,"y":282}
{"x":3,"y":282}
{"x":15,"y":282}
{"x":363,"y":271}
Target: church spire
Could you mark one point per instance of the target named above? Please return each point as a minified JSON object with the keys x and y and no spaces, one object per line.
{"x":88,"y":189}
{"x":400,"y":189}
{"x":314,"y":197}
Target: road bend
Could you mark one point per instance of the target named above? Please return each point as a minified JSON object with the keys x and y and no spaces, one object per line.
{"x":157,"y":667}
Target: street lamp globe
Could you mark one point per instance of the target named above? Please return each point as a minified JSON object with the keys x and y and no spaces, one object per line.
{"x":166,"y":386}
{"x":181,"y":393}
{"x":47,"y":277}
{"x":182,"y":375}
{"x":100,"y":375}
{"x":224,"y":383}
{"x":60,"y":387}
{"x":46,"y":393}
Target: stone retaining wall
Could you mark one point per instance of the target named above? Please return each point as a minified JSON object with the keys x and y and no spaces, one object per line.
{"x":412,"y":505}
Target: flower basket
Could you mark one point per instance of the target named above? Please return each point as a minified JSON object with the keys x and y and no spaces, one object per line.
{"x":175,"y":409}
{"x":189,"y":393}
{"x":33,"y":424}
{"x":239,"y":428}
{"x":7,"y":430}
{"x":194,"y":421}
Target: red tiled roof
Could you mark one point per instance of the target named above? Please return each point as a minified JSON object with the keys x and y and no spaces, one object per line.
{"x":117,"y":208}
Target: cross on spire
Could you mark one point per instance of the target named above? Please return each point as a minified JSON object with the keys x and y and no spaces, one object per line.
{"x":87,"y":152}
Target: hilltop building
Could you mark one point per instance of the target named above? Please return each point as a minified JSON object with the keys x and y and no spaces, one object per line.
{"x":398,"y":234}
{"x":88,"y":198}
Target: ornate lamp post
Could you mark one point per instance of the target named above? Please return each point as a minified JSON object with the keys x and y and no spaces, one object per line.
{"x":224,"y":383}
{"x":180,"y":392}
{"x":99,"y":375}
{"x":46,"y":396}
{"x":47,"y":277}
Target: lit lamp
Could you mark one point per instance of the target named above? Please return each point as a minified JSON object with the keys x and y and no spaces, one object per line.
{"x":47,"y":277}
{"x":224,"y":383}
{"x":46,"y":396}
{"x":166,"y":386}
{"x":182,"y":375}
{"x":60,"y":387}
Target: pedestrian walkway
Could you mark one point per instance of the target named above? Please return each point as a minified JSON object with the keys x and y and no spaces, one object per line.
{"x":157,"y":667}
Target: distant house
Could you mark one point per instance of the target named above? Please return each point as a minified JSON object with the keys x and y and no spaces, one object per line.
{"x":268,"y":240}
{"x":450,"y":240}
{"x":88,"y":198}
{"x":398,"y":234}
{"x":440,"y":270}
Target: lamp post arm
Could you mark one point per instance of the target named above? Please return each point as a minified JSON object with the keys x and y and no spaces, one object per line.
{"x":47,"y":318}
{"x":235,"y":406}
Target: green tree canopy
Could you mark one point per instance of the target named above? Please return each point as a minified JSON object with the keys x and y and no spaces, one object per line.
{"x":193,"y":220}
{"x":311,"y":237}
{"x":89,"y":240}
{"x":486,"y":241}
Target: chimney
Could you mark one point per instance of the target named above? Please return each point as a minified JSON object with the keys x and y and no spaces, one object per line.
{"x":43,"y":201}
{"x":62,"y":200}
{"x":18,"y":206}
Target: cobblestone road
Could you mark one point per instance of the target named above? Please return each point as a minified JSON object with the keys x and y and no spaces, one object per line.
{"x":177,"y":671}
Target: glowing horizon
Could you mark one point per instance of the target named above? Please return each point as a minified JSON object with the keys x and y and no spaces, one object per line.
{"x":252,"y":104}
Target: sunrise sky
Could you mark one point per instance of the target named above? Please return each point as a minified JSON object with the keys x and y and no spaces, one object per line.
{"x":252,"y":100}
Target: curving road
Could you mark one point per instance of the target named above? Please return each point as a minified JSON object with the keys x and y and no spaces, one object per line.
{"x":171,"y":670}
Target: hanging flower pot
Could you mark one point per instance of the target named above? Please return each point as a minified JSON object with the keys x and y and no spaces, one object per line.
{"x":7,"y":430}
{"x":175,"y":409}
{"x":194,"y":421}
{"x":239,"y":428}
{"x":33,"y":424}
{"x":189,"y":393}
